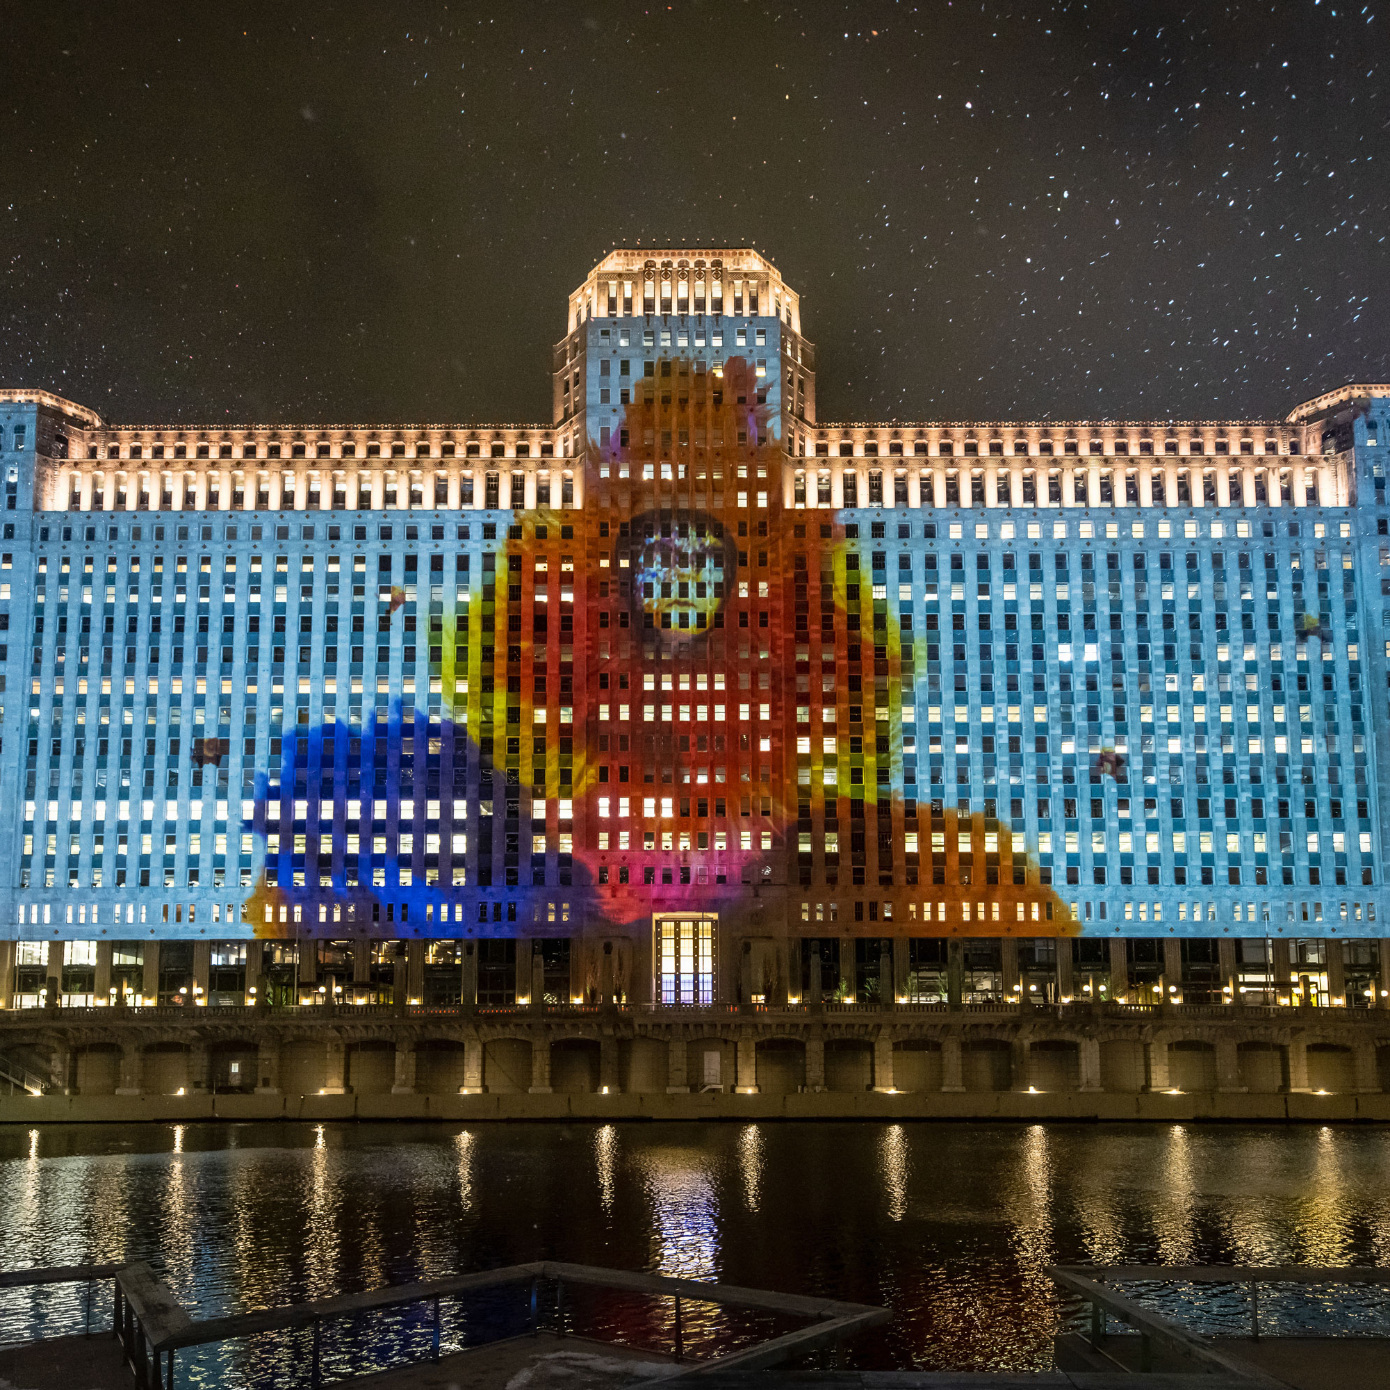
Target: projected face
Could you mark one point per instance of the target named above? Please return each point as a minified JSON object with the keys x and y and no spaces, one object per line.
{"x":682,"y":567}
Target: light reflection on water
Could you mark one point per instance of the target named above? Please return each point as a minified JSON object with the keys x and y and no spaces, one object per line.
{"x":684,"y":1211}
{"x":893,"y":1147}
{"x":1174,"y":1211}
{"x":463,"y":1143}
{"x":750,"y":1163}
{"x":953,"y":1225}
{"x":1100,"y":1215}
{"x":323,"y":1225}
{"x":1325,"y":1228}
{"x":1033,"y":1218}
{"x":606,"y":1164}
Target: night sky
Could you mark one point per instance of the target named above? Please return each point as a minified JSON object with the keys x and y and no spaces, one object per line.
{"x":374,"y":213}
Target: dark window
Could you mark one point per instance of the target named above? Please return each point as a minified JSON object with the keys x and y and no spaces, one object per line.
{"x":497,"y":973}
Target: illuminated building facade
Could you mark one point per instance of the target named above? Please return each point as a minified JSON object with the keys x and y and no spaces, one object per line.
{"x":689,"y":698}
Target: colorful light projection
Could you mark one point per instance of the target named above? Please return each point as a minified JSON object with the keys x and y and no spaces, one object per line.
{"x":635,"y":667}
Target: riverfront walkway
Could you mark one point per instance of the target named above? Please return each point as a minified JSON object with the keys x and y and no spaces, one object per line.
{"x":542,"y":1362}
{"x":1300,"y":1363}
{"x":67,"y":1363}
{"x":548,"y":1362}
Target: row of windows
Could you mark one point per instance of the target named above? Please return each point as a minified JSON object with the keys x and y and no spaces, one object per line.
{"x":852,"y":560}
{"x":682,"y":298}
{"x":1057,"y":446}
{"x":1290,"y":564}
{"x":1208,"y":809}
{"x":950,"y":489}
{"x":462,"y":561}
{"x":844,"y":448}
{"x":395,"y":853}
{"x":412,"y":532}
{"x":347,"y":448}
{"x":1141,"y":957}
{"x":1091,"y":530}
{"x":1180,"y":705}
{"x":824,"y":490}
{"x":667,"y":367}
{"x":646,"y":394}
{"x":1179,"y":710}
{"x":380,"y":858}
{"x":1062,"y":560}
{"x":492,"y":495}
{"x":878,"y":530}
{"x":1140,"y":607}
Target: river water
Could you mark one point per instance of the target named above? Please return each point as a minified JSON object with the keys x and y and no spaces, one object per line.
{"x":950,"y":1225}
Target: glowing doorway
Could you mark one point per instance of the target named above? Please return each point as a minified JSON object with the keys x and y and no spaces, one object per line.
{"x":685,"y":958}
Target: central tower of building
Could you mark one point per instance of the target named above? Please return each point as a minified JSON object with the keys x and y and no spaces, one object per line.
{"x":686,"y":378}
{"x":638,"y":309}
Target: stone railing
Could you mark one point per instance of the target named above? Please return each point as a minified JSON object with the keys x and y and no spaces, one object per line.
{"x":1074,"y":1011}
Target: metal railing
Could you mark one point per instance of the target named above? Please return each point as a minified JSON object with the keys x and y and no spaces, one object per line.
{"x":90,"y":1275}
{"x":144,"y":1311}
{"x":152,"y":1327}
{"x":1093,"y":1284}
{"x":15,"y":1076}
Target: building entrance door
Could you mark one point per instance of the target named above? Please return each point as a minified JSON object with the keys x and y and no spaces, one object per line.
{"x":684,"y":955}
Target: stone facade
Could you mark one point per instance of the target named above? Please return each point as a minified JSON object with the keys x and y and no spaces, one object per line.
{"x":948,"y":1060}
{"x":692,"y":700}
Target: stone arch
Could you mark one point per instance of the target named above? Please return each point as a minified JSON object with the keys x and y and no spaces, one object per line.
{"x":507,"y":1065}
{"x":1383,"y":1067}
{"x":1191,"y":1065}
{"x":439,"y":1066}
{"x":781,"y":1065}
{"x":1331,"y":1067}
{"x":303,"y":1066}
{"x":986,"y":1064}
{"x":917,"y":1065}
{"x":1122,"y":1065}
{"x":642,"y":1064}
{"x":574,"y":1066}
{"x":711,"y":1063}
{"x":1054,"y":1064}
{"x":166,"y":1069}
{"x":370,"y":1066}
{"x":849,"y":1064}
{"x":1260,"y":1066}
{"x":97,"y":1067}
{"x":232,"y":1065}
